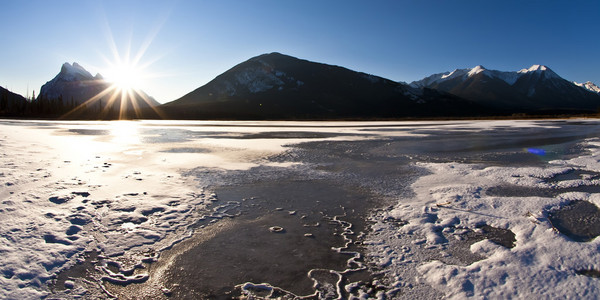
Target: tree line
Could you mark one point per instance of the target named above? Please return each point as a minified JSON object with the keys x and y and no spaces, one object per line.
{"x":16,"y":106}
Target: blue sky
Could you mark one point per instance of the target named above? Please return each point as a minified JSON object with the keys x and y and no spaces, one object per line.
{"x":185,"y":44}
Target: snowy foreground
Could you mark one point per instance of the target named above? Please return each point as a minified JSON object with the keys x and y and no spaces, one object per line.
{"x":365,"y":210}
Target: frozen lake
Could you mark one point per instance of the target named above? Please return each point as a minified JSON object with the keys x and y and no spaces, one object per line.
{"x":353,"y":210}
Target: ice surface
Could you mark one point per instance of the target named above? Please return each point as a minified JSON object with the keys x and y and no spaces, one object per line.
{"x":121,"y":191}
{"x":71,"y":194}
{"x":543,"y":263}
{"x":113,"y":188}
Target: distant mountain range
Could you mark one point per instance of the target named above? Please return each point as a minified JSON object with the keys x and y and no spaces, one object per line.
{"x":589,"y":86}
{"x":278,"y":86}
{"x":537,"y":89}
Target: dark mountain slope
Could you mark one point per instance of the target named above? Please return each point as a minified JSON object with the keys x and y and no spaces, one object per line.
{"x":277,"y":86}
{"x":11,"y":104}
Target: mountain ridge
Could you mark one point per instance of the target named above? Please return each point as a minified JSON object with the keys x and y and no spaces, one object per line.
{"x":279,"y":86}
{"x":533,"y":89}
{"x":283,"y":87}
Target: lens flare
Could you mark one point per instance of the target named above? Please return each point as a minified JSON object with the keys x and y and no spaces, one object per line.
{"x":536,"y":151}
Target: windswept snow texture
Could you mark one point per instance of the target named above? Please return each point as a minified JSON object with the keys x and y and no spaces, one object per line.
{"x":470,"y":216}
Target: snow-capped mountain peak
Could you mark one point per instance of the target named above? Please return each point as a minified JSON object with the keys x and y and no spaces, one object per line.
{"x":74,"y":72}
{"x":508,"y":77}
{"x":540,"y":69}
{"x":590,"y":86}
{"x":71,"y":77}
{"x":464,"y":72}
{"x":453,"y":74}
{"x":75,"y":85}
{"x":535,"y":68}
{"x":478,"y":69}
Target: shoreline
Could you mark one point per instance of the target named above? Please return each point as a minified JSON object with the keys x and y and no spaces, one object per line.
{"x":517,"y":116}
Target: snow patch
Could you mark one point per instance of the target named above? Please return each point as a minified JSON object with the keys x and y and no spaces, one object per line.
{"x":257,"y":80}
{"x":476,"y":70}
{"x":534,"y":68}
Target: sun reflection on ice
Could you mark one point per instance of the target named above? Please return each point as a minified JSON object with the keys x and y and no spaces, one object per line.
{"x":125,"y":132}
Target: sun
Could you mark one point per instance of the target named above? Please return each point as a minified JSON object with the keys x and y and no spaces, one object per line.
{"x":125,"y":77}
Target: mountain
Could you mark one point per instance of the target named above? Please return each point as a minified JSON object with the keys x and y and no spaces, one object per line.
{"x":11,"y":104}
{"x":277,"y":86}
{"x":537,"y":89}
{"x":588,"y":86}
{"x":76,"y":90}
{"x":73,"y":83}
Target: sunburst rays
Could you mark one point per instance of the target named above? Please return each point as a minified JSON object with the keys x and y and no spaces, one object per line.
{"x":120,"y":94}
{"x":114,"y":102}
